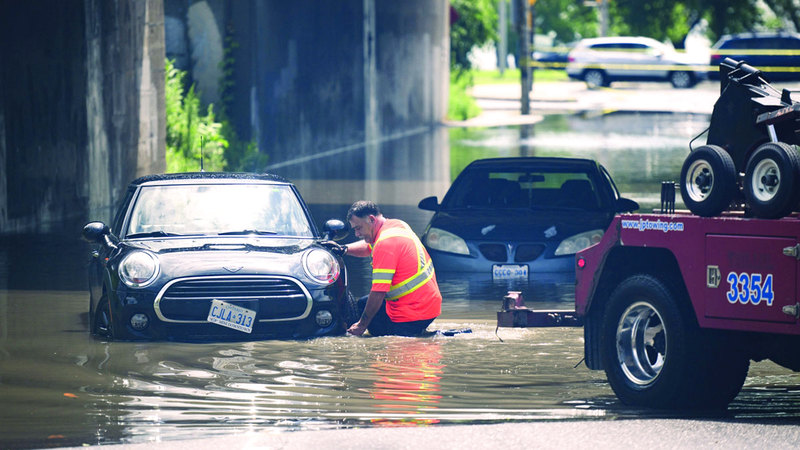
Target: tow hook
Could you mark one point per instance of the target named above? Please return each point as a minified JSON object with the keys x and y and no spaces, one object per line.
{"x":792,"y":310}
{"x":515,"y":314}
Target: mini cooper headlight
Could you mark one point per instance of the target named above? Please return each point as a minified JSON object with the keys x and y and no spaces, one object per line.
{"x":321,"y":266}
{"x":578,"y":242}
{"x":138,"y":269}
{"x":445,"y":241}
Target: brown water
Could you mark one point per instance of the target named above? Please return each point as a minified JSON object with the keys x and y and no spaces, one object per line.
{"x":59,"y":386}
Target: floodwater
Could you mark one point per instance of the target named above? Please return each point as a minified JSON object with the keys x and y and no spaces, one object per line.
{"x":60,"y":387}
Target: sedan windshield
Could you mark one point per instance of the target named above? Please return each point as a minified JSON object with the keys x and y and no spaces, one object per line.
{"x":227,"y":209}
{"x":520,"y":188}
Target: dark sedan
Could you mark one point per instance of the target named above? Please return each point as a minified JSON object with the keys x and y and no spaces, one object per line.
{"x":521,"y":218}
{"x":207,"y":256}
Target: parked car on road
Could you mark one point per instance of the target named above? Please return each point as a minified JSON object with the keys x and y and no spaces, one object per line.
{"x":203,"y":256}
{"x":601,"y":61}
{"x":776,"y":54}
{"x":521,"y":218}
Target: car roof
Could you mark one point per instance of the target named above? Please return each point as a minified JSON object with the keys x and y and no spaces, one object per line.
{"x":533,"y":161}
{"x":618,"y":39}
{"x":167,"y":178}
{"x":757,"y":35}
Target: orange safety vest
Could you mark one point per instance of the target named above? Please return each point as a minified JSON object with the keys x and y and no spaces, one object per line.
{"x":403,"y":269}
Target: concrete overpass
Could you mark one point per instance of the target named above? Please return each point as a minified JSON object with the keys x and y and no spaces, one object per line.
{"x":82,"y":87}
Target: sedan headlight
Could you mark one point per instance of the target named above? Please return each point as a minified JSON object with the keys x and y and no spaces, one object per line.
{"x":138,"y":269}
{"x":321,"y":266}
{"x":578,"y":242}
{"x":445,"y":241}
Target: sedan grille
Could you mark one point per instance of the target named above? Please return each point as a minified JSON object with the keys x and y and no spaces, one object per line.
{"x":528,"y":252}
{"x":494,"y":252}
{"x":188,"y":300}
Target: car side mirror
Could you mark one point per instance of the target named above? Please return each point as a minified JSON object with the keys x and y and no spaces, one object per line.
{"x":94,"y":232}
{"x":429,"y":204}
{"x":98,"y":232}
{"x":334,"y":229}
{"x":626,"y":205}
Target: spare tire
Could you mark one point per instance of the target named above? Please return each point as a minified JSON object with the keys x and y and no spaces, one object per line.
{"x":708,"y":180}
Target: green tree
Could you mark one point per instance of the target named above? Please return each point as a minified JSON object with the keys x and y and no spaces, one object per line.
{"x":568,"y":19}
{"x":474,"y":24}
{"x":190,"y":135}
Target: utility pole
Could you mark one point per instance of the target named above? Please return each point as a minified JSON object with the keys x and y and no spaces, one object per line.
{"x":603,"y":4}
{"x":502,"y":30}
{"x":523,"y":58}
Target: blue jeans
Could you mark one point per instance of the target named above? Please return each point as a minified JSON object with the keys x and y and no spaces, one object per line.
{"x":382,"y":325}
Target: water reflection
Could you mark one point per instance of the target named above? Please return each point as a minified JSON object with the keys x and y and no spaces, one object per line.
{"x":58,"y":386}
{"x":407,"y":377}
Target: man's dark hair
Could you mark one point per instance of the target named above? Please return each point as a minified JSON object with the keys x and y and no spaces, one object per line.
{"x":362,"y":209}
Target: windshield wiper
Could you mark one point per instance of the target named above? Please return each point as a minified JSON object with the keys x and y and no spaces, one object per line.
{"x":261,"y":232}
{"x":157,"y":233}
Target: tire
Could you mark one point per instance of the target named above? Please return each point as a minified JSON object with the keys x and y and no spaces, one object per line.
{"x":708,"y":180}
{"x":102,"y":323}
{"x":351,"y":310}
{"x":681,"y":79}
{"x":655,"y":356}
{"x":771,"y":180}
{"x":595,"y":78}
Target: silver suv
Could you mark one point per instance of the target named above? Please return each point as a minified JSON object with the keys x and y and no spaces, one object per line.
{"x":600,"y":61}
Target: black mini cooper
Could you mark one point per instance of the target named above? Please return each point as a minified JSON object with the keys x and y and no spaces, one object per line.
{"x":215,"y":256}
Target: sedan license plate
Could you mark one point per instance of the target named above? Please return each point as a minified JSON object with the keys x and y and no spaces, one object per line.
{"x":510,"y":272}
{"x":231,"y":316}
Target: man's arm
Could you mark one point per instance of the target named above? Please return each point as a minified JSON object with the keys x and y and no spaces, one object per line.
{"x":374,"y":303}
{"x":359,"y":248}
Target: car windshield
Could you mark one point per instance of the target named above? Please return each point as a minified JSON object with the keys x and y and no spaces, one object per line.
{"x":263,"y":209}
{"x":520,"y":188}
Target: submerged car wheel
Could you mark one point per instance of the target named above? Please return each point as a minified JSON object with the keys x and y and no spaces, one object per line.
{"x":708,"y":180}
{"x":351,"y":310}
{"x":595,"y":78}
{"x":654,"y":356}
{"x":681,"y":79}
{"x":103,"y":325}
{"x":771,"y":180}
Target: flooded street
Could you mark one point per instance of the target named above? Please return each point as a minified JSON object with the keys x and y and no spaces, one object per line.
{"x":61,"y":387}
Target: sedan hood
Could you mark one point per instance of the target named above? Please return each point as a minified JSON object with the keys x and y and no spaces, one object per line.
{"x":519,"y":225}
{"x":226,"y":256}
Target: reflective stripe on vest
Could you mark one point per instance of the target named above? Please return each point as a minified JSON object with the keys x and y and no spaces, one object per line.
{"x":416,"y":281}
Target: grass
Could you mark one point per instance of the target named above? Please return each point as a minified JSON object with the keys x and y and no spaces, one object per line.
{"x":462,"y":106}
{"x":511,"y":76}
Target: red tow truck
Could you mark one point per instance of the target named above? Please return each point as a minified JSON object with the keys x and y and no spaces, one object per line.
{"x":674,"y":306}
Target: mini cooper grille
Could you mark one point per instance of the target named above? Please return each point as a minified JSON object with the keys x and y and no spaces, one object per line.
{"x":528,"y":252}
{"x":494,"y":252}
{"x":271,"y":298}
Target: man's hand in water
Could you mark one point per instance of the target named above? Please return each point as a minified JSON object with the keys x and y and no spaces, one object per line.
{"x":357,"y":329}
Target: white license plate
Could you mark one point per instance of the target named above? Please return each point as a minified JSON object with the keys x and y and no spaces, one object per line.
{"x":510,"y":272}
{"x":231,"y":316}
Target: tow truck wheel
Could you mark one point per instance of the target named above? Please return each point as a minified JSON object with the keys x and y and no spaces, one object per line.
{"x":708,"y":180}
{"x":595,"y":78}
{"x":771,"y":180}
{"x":654,"y":356}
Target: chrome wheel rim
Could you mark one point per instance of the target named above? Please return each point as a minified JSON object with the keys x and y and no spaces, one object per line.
{"x":766,"y":180}
{"x":641,"y":343}
{"x":699,"y":180}
{"x":681,"y":79}
{"x":594,"y":79}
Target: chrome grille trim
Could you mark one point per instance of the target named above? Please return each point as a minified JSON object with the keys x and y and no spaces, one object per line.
{"x":234,"y":278}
